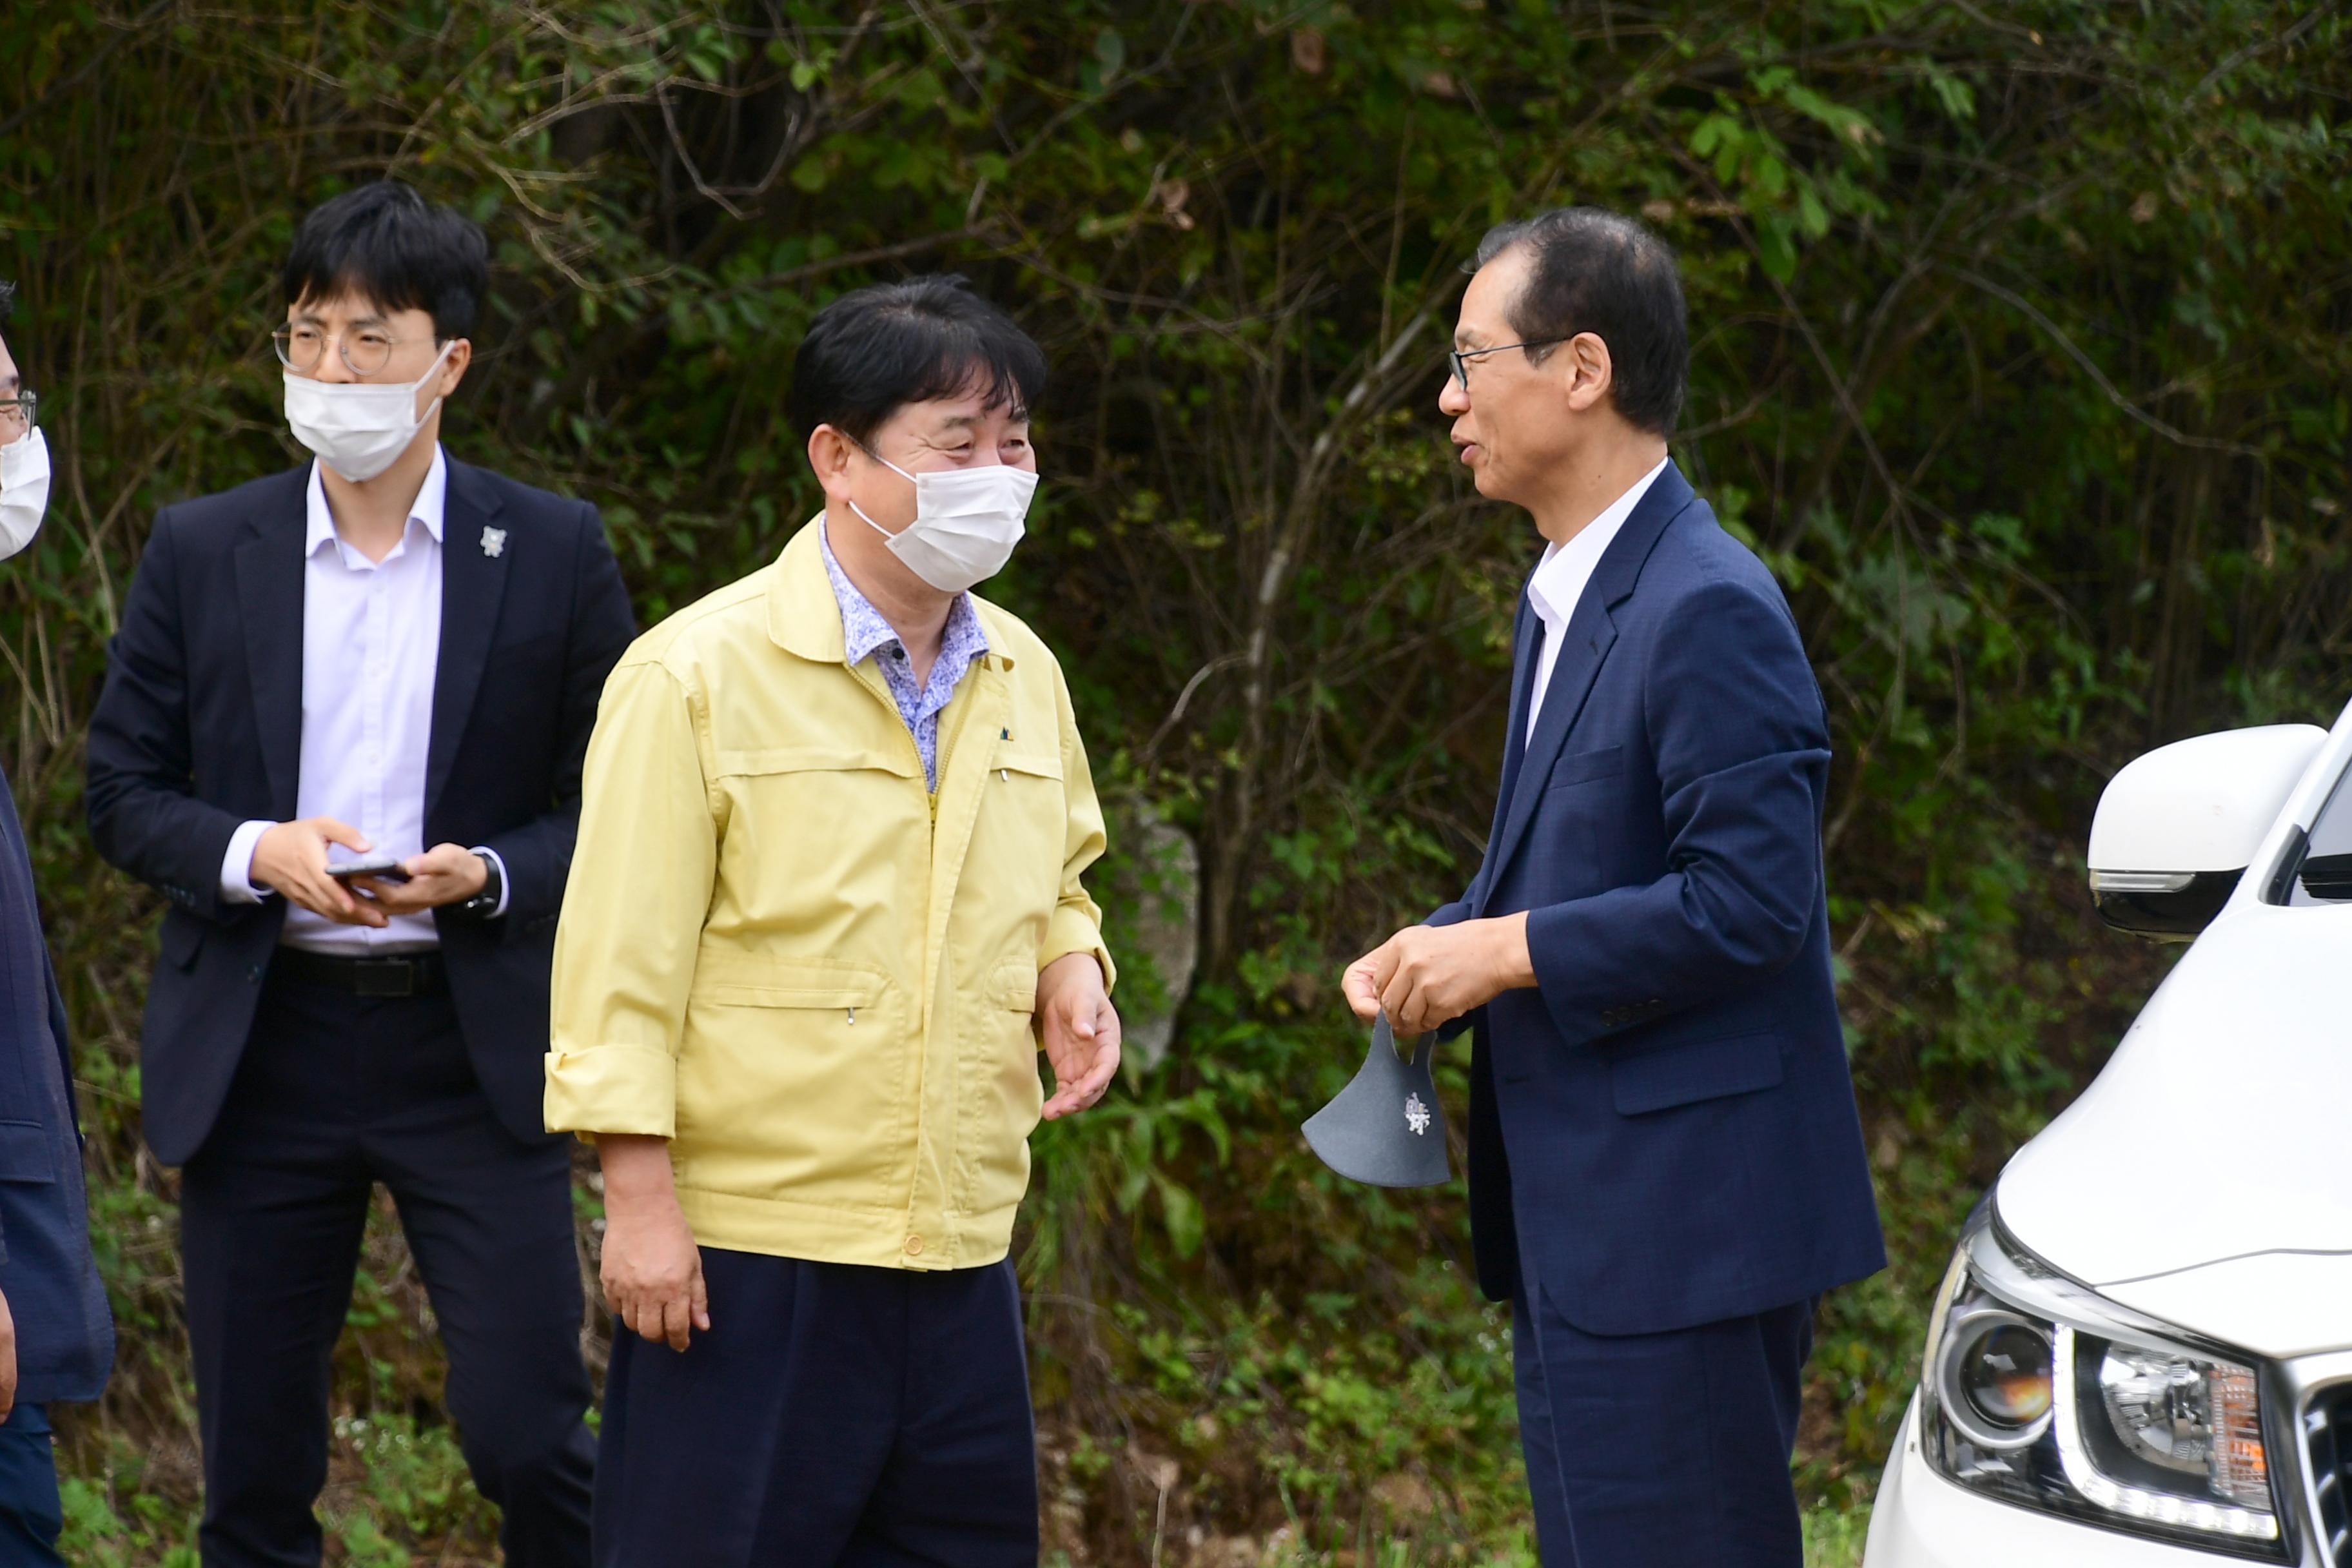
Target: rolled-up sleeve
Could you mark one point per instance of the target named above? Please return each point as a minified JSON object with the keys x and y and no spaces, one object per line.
{"x":1076,"y":925}
{"x":633,"y":911}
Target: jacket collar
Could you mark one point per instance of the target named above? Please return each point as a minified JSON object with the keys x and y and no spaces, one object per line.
{"x":1620,"y":564}
{"x":804,"y":618}
{"x":473,"y":581}
{"x":269,"y":597}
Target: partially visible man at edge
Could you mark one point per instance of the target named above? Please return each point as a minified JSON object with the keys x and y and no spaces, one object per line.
{"x":1666,"y":1167}
{"x":827,"y":887}
{"x":56,"y":1337}
{"x":388,"y":651}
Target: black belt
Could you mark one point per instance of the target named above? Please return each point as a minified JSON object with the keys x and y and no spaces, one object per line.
{"x":406,"y":974}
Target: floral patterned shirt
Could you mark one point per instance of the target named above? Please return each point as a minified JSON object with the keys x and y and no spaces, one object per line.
{"x":865,"y":635}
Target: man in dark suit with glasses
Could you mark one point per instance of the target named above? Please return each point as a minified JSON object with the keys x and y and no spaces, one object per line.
{"x":341,"y":732}
{"x":1666,"y":1167}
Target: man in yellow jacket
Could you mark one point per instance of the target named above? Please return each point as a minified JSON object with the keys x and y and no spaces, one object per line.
{"x":825,"y":905}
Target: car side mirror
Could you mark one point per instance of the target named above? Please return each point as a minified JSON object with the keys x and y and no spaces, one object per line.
{"x":2177,"y":828}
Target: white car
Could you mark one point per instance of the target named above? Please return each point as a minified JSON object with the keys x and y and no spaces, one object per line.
{"x":2142,"y":1355}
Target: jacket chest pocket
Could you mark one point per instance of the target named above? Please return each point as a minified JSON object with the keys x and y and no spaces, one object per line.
{"x":1010,"y":764}
{"x":1023,"y":819}
{"x":804,"y":822}
{"x":1587,"y":767}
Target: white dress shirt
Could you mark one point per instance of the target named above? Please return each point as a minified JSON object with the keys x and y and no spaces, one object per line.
{"x":371,"y":647}
{"x":1560,"y":578}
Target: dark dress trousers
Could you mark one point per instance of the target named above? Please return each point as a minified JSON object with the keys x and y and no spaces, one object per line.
{"x":1666,"y":1162}
{"x":65,"y":1336}
{"x":287,"y":1098}
{"x":874,"y":1419}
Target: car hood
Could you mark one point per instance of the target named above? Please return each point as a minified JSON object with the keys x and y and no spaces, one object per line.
{"x":2273,"y":1303}
{"x":2220,"y":1134}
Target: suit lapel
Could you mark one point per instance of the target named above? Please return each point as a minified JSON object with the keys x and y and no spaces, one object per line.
{"x":1527,"y":645}
{"x":473,"y":581}
{"x":1584,"y":646}
{"x":1527,"y":649}
{"x":269,"y":567}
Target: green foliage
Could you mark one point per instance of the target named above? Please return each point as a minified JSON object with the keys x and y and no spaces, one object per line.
{"x":2020,"y":344}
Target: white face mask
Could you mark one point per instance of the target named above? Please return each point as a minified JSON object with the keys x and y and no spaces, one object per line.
{"x":24,"y":490}
{"x":357,"y":428}
{"x":967,"y":521}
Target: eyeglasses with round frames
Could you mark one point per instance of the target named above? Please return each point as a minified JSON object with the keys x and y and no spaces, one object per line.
{"x":1460,"y":358}
{"x":365,"y":351}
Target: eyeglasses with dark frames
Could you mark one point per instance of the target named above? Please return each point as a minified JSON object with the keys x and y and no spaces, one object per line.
{"x":19,"y":413}
{"x":1459,"y":359}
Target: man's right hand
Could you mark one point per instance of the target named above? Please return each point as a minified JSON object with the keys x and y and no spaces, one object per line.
{"x":292,"y":859}
{"x":651,"y":1269}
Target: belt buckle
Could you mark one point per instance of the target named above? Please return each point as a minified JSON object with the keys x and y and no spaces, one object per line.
{"x":385,"y":976}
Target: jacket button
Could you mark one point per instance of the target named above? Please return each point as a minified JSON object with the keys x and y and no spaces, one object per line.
{"x":254,"y":974}
{"x":914,"y":1246}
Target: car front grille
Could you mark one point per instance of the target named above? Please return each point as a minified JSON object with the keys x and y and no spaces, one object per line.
{"x":2328,"y":1444}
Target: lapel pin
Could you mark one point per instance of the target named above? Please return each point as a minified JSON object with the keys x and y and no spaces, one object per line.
{"x":494,"y":543}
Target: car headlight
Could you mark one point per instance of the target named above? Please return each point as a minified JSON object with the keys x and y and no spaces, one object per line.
{"x":2040,"y":1391}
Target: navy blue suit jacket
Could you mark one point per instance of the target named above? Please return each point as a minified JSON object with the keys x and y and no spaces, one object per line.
{"x":1662,"y":1129}
{"x":65,"y":1335}
{"x":200,"y":728}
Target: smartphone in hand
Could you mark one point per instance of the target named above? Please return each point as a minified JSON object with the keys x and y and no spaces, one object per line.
{"x":384,"y":868}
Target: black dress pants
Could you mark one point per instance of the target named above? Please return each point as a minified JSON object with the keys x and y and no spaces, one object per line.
{"x":1665,"y":1450}
{"x":833,"y":1416}
{"x":32,"y":1516}
{"x":336,"y":1093}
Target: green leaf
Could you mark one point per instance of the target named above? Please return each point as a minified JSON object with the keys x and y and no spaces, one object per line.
{"x":1811,"y":215}
{"x":1181,"y":1213}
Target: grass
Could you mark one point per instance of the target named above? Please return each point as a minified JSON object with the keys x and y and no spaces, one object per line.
{"x":1834,"y":1536}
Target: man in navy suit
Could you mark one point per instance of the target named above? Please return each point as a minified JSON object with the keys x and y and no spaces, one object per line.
{"x":57,"y":1338}
{"x":1667,"y":1168}
{"x":393,"y":657}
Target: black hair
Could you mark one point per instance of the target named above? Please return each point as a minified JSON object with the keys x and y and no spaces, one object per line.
{"x":384,"y":243}
{"x":7,"y":297}
{"x":1600,"y":272}
{"x":875,"y":350}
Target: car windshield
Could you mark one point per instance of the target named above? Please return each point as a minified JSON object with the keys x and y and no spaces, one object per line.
{"x":2326,"y":876}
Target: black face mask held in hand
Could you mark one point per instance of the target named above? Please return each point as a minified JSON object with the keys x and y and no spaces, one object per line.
{"x":1385,"y":1128}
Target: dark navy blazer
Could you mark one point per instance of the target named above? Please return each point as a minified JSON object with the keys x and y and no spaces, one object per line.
{"x":200,"y":728}
{"x":1662,"y":1129}
{"x":65,"y":1336}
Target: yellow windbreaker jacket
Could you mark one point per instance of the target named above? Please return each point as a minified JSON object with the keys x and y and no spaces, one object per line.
{"x":782,"y":952}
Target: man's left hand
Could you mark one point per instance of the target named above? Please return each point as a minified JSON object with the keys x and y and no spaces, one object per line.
{"x":445,"y":873}
{"x":1427,"y":975}
{"x":1080,"y":1028}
